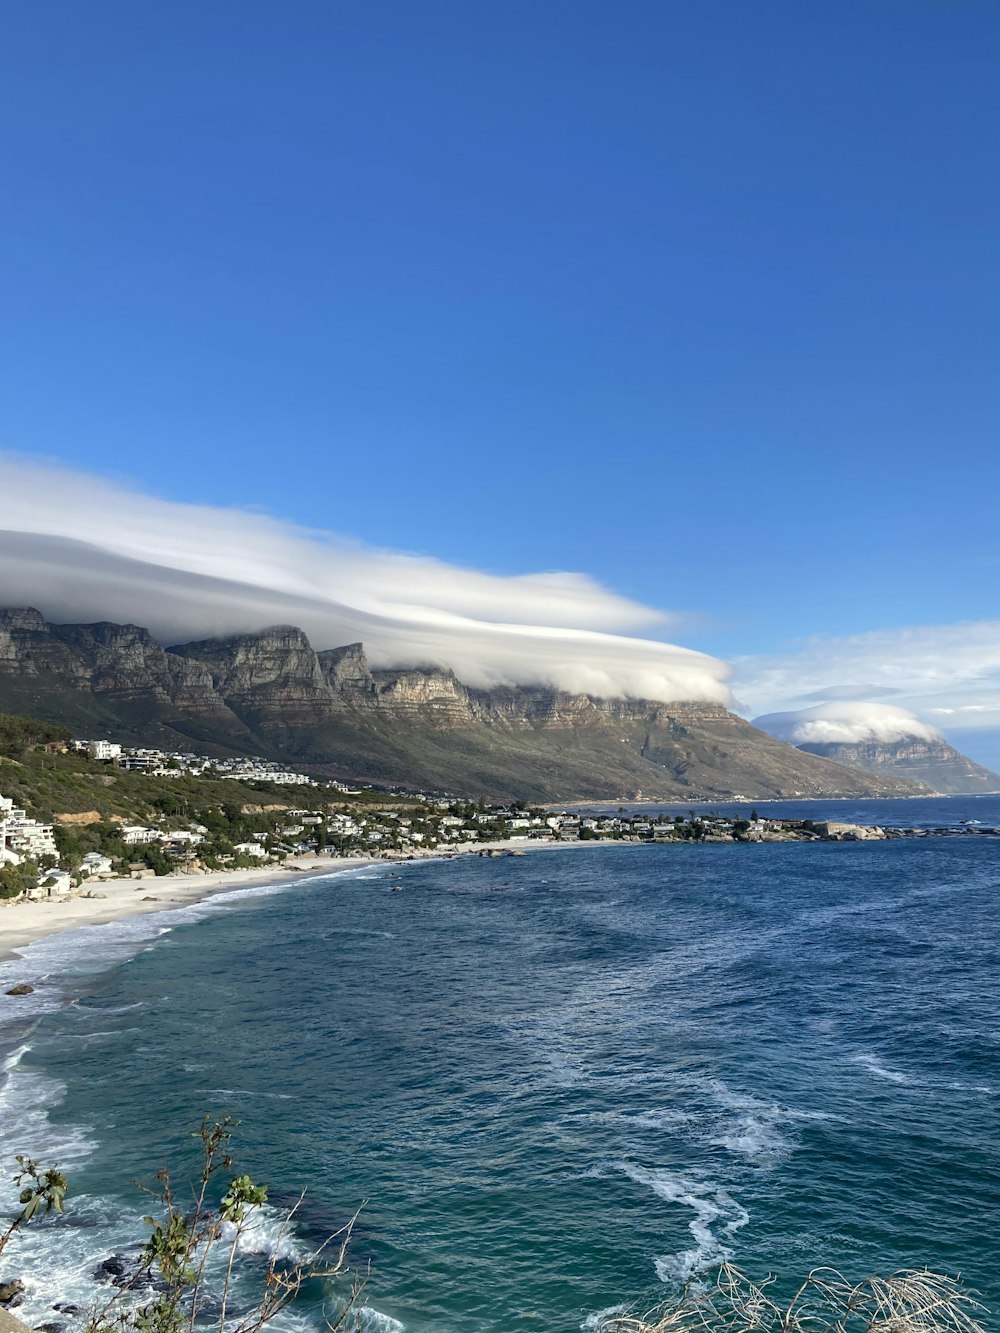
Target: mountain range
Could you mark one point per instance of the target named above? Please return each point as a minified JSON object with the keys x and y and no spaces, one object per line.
{"x":270,"y":693}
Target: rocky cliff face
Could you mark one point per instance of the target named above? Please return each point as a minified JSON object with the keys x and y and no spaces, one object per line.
{"x":271,"y":694}
{"x":936,"y":764}
{"x":272,"y":680}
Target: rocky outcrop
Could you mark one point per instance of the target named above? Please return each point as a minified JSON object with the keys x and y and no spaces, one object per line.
{"x":346,"y":671}
{"x":270,"y":693}
{"x":272,"y":680}
{"x":934,"y":763}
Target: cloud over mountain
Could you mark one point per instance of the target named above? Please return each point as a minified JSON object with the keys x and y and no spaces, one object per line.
{"x":949,"y":673}
{"x":83,"y":548}
{"x":846,"y":723}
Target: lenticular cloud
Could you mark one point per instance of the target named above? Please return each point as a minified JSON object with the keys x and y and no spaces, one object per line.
{"x":80,"y":548}
{"x":845,"y":723}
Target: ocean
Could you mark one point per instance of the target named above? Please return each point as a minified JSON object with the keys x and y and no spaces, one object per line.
{"x":558,"y":1084}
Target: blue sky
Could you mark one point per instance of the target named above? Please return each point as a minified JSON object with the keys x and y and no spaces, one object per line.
{"x":698,"y":298}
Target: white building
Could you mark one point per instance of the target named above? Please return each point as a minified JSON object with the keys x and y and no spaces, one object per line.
{"x":105,"y":751}
{"x":57,"y":883}
{"x":95,"y":864}
{"x":134,"y":835}
{"x":22,"y":838}
{"x":250,"y":849}
{"x":142,"y":761}
{"x":180,"y":836}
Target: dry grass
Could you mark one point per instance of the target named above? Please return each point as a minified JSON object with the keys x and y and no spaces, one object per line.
{"x":907,"y":1302}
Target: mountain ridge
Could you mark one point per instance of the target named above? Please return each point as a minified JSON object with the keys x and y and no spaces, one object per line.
{"x":271,"y":693}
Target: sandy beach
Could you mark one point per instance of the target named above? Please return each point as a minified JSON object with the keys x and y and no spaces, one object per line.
{"x":21,"y":923}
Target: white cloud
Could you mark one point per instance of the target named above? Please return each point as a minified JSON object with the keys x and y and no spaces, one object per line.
{"x":935,"y":671}
{"x":846,"y":723}
{"x":83,"y":548}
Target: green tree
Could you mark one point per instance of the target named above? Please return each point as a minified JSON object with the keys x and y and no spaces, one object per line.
{"x":41,"y":1190}
{"x":15,"y":880}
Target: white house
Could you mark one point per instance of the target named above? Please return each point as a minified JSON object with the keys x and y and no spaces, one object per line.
{"x":134,"y":835}
{"x":95,"y":864}
{"x":105,"y":751}
{"x":57,"y":882}
{"x":180,"y":836}
{"x":250,"y":849}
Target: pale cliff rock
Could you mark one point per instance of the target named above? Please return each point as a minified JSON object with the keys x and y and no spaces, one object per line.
{"x":346,"y":670}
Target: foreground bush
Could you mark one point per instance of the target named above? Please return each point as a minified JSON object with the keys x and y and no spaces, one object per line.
{"x":908,"y":1302}
{"x":184,"y":1275}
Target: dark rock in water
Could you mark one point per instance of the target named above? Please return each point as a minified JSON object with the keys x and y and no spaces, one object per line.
{"x":22,"y":988}
{"x":10,"y":1292}
{"x":122,"y":1271}
{"x":111,"y":1270}
{"x":66,"y":1307}
{"x":50,"y":1328}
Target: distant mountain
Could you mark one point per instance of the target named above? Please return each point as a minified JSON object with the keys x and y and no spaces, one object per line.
{"x":271,"y":694}
{"x":934,"y":763}
{"x":883,"y":739}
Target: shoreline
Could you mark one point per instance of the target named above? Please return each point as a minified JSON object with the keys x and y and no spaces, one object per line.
{"x":24,"y":923}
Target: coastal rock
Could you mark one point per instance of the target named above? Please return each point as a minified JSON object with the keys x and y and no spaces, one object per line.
{"x":109,"y":1270}
{"x":10,"y":1293}
{"x":22,"y":988}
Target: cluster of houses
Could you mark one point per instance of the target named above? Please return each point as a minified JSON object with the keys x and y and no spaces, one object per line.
{"x":23,"y":839}
{"x":426,"y":825}
{"x":175,"y":763}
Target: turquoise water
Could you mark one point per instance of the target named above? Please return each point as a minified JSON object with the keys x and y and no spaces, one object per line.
{"x":561,"y":1082}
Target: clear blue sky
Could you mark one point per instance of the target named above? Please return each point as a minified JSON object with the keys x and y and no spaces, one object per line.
{"x":701,"y":297}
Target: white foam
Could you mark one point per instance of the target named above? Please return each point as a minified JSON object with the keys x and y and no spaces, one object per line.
{"x":25,"y":1099}
{"x":756,"y":1132}
{"x":874,"y":1066}
{"x":717,"y":1218}
{"x":370,"y":1320}
{"x":268,"y":1232}
{"x":594,"y":1321}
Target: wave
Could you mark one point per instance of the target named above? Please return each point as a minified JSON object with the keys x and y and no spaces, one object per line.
{"x":244,"y":1092}
{"x":25,"y":1127}
{"x":370,"y":1320}
{"x":58,"y":1258}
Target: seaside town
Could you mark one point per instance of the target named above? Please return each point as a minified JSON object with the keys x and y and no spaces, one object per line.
{"x":46,"y":855}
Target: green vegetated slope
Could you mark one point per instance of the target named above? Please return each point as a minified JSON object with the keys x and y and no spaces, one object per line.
{"x":89,"y":802}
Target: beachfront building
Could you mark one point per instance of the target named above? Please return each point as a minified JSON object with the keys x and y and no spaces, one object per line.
{"x":135,"y":835}
{"x":22,"y":838}
{"x":250,"y":849}
{"x":181,"y":837}
{"x":56,"y":884}
{"x":93,"y":863}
